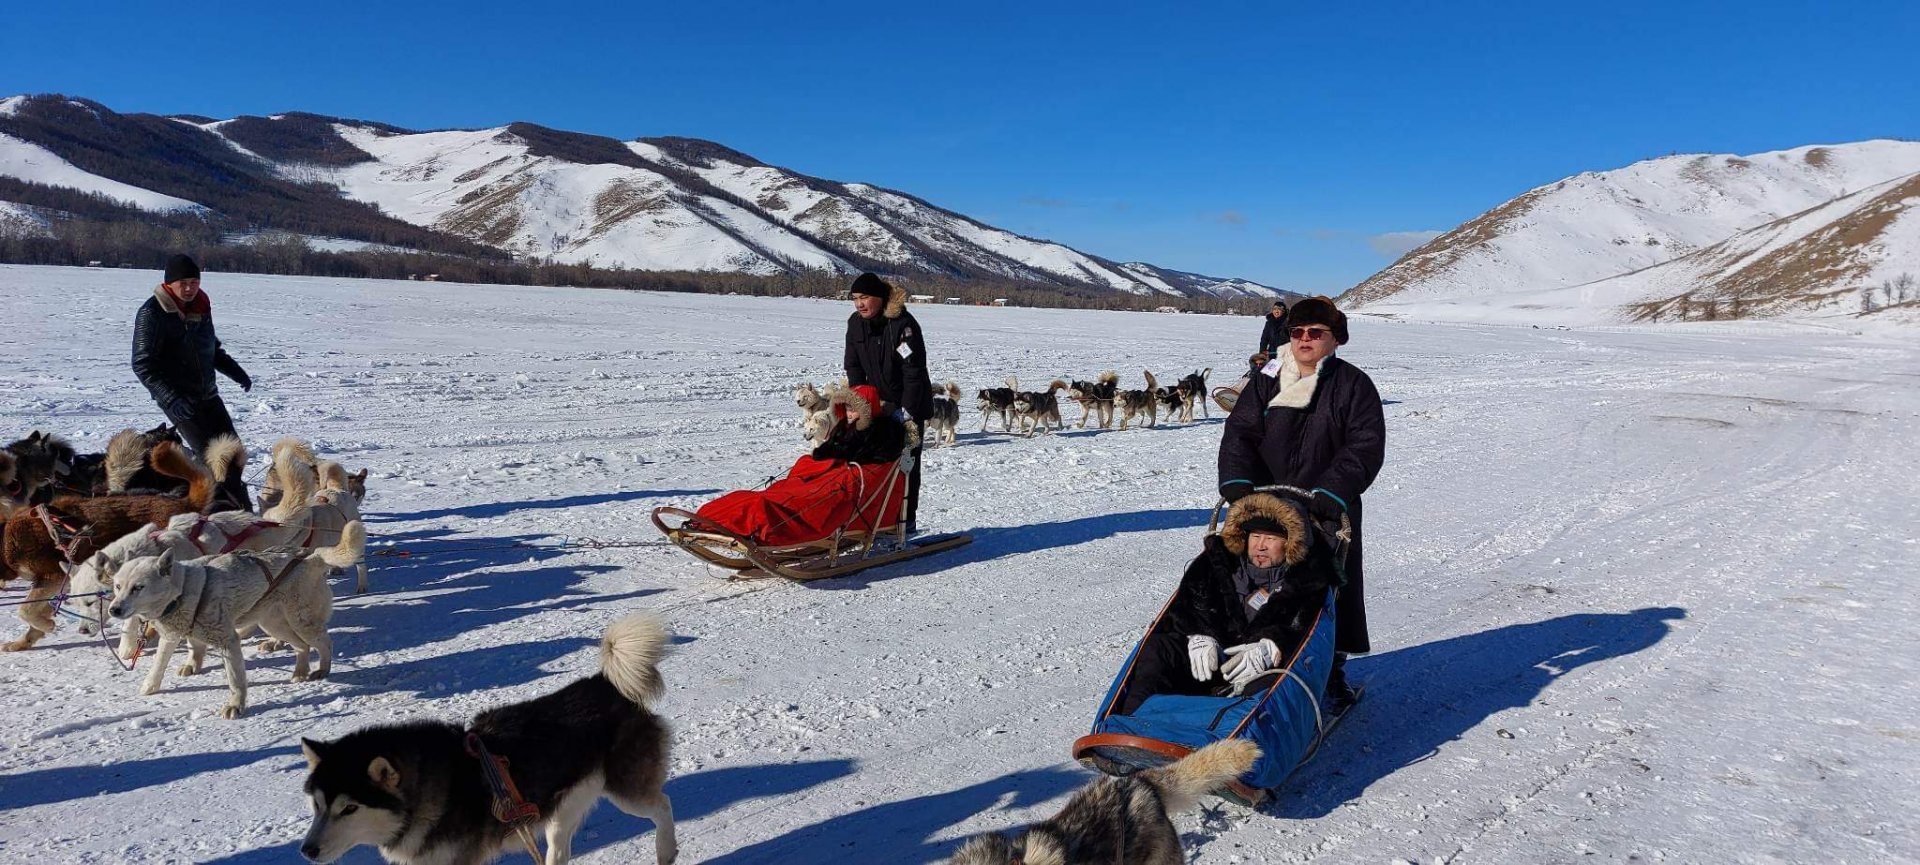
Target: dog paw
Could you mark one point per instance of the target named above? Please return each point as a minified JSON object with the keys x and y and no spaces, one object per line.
{"x":188,"y":669}
{"x":266,"y":646}
{"x":301,"y":676}
{"x":231,"y":712}
{"x":17,"y":645}
{"x":149,"y":690}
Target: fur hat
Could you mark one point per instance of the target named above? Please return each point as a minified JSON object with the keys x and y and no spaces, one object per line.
{"x":1264,"y":512}
{"x":857,"y":404}
{"x":872,"y":286}
{"x":1319,"y":310}
{"x":180,"y":267}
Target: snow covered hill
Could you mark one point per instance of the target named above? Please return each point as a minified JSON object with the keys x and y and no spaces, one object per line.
{"x":1637,"y":596}
{"x":661,"y":204}
{"x":1597,"y":226}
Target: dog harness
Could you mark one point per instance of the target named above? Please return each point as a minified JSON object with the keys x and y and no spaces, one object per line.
{"x":509,"y":806}
{"x":56,"y":525}
{"x":234,"y":541}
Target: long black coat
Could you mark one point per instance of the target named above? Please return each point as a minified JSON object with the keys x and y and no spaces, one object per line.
{"x":1336,"y":443}
{"x":1273,"y":335}
{"x":176,"y":355}
{"x":1209,"y":604}
{"x":874,"y":357}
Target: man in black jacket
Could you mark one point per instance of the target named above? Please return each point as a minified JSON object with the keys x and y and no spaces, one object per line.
{"x":886,"y":349}
{"x":175,"y":354}
{"x":1273,"y":333}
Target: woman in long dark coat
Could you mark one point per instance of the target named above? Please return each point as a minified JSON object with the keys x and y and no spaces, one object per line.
{"x":1311,"y":420}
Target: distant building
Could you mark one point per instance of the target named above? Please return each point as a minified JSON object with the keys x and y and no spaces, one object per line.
{"x":1173,"y":309}
{"x":951,"y":301}
{"x":999,"y":301}
{"x":920,"y":298}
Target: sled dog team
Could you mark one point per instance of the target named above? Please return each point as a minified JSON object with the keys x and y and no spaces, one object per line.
{"x":1039,"y":411}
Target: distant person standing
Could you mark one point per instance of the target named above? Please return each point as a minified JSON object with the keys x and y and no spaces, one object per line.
{"x":1273,"y":335}
{"x":886,"y":349}
{"x":175,"y":354}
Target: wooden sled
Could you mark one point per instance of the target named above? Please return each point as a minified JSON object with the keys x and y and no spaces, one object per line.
{"x":1227,"y":396}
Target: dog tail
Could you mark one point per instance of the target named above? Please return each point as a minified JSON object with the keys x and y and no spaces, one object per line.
{"x":126,"y":456}
{"x":351,"y":549}
{"x":333,"y":476}
{"x":630,"y":656}
{"x":173,"y":461}
{"x":1151,"y":384}
{"x":1182,"y":784}
{"x":953,"y":391}
{"x":1013,"y":383}
{"x":1054,"y":385}
{"x":293,"y":471}
{"x":226,"y":457}
{"x":1110,"y":377}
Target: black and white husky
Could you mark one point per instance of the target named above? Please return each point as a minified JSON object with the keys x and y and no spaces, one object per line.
{"x":945,"y":421}
{"x":1096,"y":398}
{"x":415,"y":792}
{"x":998,"y":401}
{"x":1037,"y":410}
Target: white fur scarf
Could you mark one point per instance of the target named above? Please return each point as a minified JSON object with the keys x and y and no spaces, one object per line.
{"x":1296,"y":390}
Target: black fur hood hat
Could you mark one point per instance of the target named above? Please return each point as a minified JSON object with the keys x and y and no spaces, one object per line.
{"x":1319,"y":310}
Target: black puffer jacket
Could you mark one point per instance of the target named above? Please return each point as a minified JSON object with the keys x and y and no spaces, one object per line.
{"x":176,"y":355}
{"x":1337,"y":443}
{"x":874,"y":357}
{"x":881,"y":442}
{"x":1273,"y":335}
{"x":1208,"y":603}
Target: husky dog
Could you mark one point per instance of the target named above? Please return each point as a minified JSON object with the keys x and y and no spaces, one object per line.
{"x":1170,"y":399}
{"x":416,"y":791}
{"x":998,"y":401}
{"x":208,"y":600}
{"x":330,"y":475}
{"x":32,"y":551}
{"x":1035,"y":410}
{"x":808,"y":398}
{"x":945,"y":420}
{"x":41,"y":463}
{"x":1096,"y":398}
{"x":1138,"y":402}
{"x":1115,"y":820}
{"x":1195,"y":386}
{"x":304,"y":503}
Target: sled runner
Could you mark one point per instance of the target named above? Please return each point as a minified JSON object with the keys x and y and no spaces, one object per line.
{"x":1227,"y":396}
{"x":1284,"y":712}
{"x":826,"y":518}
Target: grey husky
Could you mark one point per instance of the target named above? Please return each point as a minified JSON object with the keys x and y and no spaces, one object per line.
{"x":419,"y":794}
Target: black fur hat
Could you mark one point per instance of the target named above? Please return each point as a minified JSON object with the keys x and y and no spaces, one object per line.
{"x":872,"y":286}
{"x":1319,"y":310}
{"x":181,"y":267}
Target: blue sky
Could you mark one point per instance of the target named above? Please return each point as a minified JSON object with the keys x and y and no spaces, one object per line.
{"x":1290,"y":143}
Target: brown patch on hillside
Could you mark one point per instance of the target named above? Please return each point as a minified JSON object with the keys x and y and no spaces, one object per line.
{"x":1436,"y":255}
{"x":490,"y":214}
{"x":1809,"y":272}
{"x":1819,"y":157}
{"x":622,"y":200}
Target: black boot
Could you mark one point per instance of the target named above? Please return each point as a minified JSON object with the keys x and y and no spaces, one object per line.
{"x":1340,"y":696}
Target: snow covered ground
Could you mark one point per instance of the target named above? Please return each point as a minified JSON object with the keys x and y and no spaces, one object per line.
{"x":1646,"y":595}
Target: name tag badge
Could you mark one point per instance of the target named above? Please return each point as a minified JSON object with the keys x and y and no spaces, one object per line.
{"x":1258,"y":599}
{"x":905,"y":350}
{"x":1271,"y":369}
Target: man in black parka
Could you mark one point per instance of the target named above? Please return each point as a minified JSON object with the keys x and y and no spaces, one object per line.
{"x":1313,"y":421}
{"x":175,"y":354}
{"x":886,"y":349}
{"x":1273,"y":332}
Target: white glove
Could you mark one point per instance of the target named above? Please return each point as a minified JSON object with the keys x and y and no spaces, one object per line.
{"x":1249,"y":661}
{"x":1203,"y":652}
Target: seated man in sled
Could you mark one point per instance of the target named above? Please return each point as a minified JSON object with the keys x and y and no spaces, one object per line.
{"x":1243,"y":608}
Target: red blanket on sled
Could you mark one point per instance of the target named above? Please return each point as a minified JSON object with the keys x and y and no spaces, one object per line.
{"x":814,"y":500}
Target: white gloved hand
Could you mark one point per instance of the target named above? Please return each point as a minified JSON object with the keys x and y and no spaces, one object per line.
{"x":1249,"y":661}
{"x":1203,"y":652}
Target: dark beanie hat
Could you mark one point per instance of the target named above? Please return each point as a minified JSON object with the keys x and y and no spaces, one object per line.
{"x":873,"y":286}
{"x":1319,"y":310}
{"x":180,"y":267}
{"x":1265,"y":524}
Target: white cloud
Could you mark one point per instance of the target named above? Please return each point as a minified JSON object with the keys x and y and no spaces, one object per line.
{"x":1394,"y":244}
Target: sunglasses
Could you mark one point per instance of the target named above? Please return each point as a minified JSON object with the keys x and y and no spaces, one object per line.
{"x":1309,"y":334}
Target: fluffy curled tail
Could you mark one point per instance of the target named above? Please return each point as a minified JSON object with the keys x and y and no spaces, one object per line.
{"x":126,"y":456}
{"x":352,"y":548}
{"x":173,"y":461}
{"x":226,"y":457}
{"x":630,"y":656}
{"x":1183,"y":783}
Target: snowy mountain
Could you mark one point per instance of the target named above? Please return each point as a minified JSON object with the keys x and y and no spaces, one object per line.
{"x":1601,"y":232}
{"x":659,"y":204}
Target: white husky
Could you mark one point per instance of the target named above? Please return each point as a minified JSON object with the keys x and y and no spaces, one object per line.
{"x":305,"y":503}
{"x":285,"y":592}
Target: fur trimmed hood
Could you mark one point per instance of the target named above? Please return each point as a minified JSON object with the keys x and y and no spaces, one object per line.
{"x":200,"y":308}
{"x":850,"y":403}
{"x":896,"y":302}
{"x":1290,"y":515}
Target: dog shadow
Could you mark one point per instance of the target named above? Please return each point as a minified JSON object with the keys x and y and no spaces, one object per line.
{"x":702,"y":794}
{"x":1001,"y":542}
{"x":902,"y":832}
{"x":1423,"y":697}
{"x":47,"y":786}
{"x":496,"y":509}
